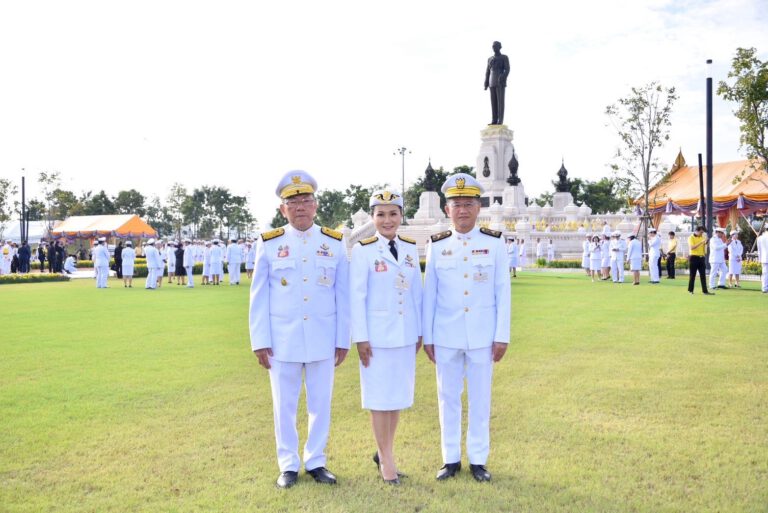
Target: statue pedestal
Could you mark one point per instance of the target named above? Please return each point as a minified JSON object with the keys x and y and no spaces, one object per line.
{"x":560,"y":201}
{"x":496,"y":151}
{"x":514,"y":196}
{"x":429,"y":209}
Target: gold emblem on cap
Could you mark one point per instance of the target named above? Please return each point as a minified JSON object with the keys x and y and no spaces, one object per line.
{"x":460,"y":183}
{"x":386,"y":196}
{"x":296,"y":179}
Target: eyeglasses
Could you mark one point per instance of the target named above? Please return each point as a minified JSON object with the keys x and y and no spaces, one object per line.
{"x":295,"y":202}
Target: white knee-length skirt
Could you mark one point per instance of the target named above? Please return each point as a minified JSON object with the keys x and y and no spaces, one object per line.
{"x":594,"y":264}
{"x":387,"y":383}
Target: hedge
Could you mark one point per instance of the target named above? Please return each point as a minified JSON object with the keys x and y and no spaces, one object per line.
{"x":8,"y":279}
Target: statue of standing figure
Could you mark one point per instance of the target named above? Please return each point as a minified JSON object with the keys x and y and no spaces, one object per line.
{"x":496,"y":78}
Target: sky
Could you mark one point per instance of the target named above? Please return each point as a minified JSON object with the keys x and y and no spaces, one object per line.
{"x":144,"y":94}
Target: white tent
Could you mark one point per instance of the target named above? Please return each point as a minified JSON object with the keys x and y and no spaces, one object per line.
{"x":37,"y":230}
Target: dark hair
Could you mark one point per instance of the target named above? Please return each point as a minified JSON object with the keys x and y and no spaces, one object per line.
{"x":671,"y":233}
{"x":699,"y":229}
{"x":373,"y":209}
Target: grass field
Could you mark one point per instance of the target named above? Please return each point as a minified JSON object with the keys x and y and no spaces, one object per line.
{"x":611,"y":398}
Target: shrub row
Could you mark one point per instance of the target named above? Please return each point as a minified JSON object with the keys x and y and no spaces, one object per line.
{"x":749,"y":267}
{"x":7,"y":279}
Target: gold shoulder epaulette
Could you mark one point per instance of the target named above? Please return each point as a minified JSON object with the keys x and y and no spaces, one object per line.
{"x":440,"y":236}
{"x":492,"y":233}
{"x":273,"y":234}
{"x":369,"y":240}
{"x":332,"y":233}
{"x":406,"y":239}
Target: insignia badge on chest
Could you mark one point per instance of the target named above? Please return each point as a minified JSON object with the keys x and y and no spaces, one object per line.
{"x":283,"y":282}
{"x":401,"y":283}
{"x":380,"y":266}
{"x":479,"y":251}
{"x":283,"y":251}
{"x":409,"y":261}
{"x":447,"y":252}
{"x":324,"y":251}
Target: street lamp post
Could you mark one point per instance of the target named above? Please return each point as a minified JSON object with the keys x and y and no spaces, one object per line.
{"x":402,"y":151}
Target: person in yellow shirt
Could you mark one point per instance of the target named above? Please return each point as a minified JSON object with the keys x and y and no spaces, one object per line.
{"x":697,"y":243}
{"x":671,"y":255}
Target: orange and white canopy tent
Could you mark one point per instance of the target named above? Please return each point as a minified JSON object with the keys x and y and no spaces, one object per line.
{"x":128,"y":226}
{"x":738,"y":188}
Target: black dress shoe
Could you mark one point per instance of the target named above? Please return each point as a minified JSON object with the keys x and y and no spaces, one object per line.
{"x":448,"y":470}
{"x":480,"y":473}
{"x":392,"y":482}
{"x":322,"y":475}
{"x":709,"y":293}
{"x":287,"y":479}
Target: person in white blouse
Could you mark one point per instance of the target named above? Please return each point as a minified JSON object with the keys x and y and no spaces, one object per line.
{"x":635,"y":258}
{"x":385,"y":305}
{"x":735,"y":254}
{"x":129,"y":257}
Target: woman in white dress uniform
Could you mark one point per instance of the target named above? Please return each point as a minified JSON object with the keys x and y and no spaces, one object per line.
{"x":735,"y":253}
{"x":129,"y":257}
{"x":595,"y":257}
{"x":385,"y":297}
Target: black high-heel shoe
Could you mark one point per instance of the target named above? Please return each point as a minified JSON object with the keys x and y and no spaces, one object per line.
{"x":378,"y":466}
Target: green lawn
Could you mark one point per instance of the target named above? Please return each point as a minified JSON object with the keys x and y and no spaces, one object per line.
{"x":611,"y":398}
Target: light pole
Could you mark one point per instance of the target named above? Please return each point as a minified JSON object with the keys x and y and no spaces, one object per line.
{"x":402,"y":151}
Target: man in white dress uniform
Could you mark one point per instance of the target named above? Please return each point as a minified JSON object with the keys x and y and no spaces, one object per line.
{"x":618,"y":247}
{"x":154,"y":262}
{"x":717,"y":265}
{"x":466,"y":322}
{"x":299,"y":323}
{"x":234,"y":258}
{"x":654,"y":254}
{"x":762,"y":256}
{"x":101,"y":263}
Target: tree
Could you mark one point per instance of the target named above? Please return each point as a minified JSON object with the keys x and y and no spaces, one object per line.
{"x":36,"y":210}
{"x":279,"y":219}
{"x":7,"y":190}
{"x":642,"y":121}
{"x":158,"y":217}
{"x":544,"y":199}
{"x":750,"y":92}
{"x":129,"y":202}
{"x":176,"y":199}
{"x":50,"y":182}
{"x":602,"y":196}
{"x":332,"y":210}
{"x":99,"y":205}
{"x":216,"y":201}
{"x":193,"y":210}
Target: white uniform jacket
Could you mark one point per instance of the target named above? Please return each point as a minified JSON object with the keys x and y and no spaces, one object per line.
{"x":634,"y":250}
{"x":716,"y":251}
{"x":618,"y":247}
{"x":189,"y":256}
{"x":299,"y":302}
{"x":385,"y":294}
{"x":762,"y":248}
{"x":153,"y":257}
{"x":654,"y":248}
{"x":467,"y":293}
{"x":234,"y":254}
{"x":100,"y":256}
